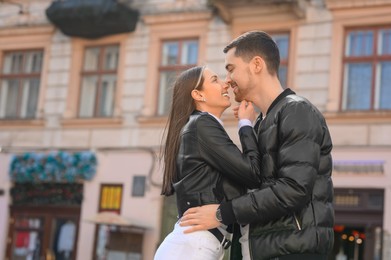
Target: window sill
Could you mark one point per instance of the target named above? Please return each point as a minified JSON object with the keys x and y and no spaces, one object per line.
{"x":162,"y":120}
{"x":89,"y":122}
{"x":152,"y":120}
{"x":358,"y":117}
{"x":21,"y":123}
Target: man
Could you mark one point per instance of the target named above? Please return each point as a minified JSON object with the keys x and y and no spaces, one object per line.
{"x":291,"y":216}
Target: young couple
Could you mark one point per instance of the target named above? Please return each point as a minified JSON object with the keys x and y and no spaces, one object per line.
{"x":278,"y":188}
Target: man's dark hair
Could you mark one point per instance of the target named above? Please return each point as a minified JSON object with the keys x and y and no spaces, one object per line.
{"x":257,"y":43}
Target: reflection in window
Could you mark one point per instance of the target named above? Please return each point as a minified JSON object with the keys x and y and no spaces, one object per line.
{"x":19,"y":84}
{"x":367,"y":69}
{"x":27,"y":238}
{"x":99,"y":80}
{"x":282,"y":41}
{"x":176,"y":56}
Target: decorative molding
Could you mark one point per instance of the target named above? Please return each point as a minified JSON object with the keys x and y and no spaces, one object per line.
{"x":343,"y":4}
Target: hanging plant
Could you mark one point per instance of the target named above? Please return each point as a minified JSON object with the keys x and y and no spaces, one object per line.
{"x":53,"y":167}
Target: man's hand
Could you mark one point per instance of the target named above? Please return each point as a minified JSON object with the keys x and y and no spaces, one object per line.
{"x":200,"y":218}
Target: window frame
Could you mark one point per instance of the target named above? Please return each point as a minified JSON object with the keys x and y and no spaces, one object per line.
{"x":177,"y":68}
{"x":165,"y":27}
{"x":121,"y":199}
{"x":374,"y":60}
{"x":71,"y":115}
{"x":18,"y":39}
{"x":21,"y":77}
{"x":100,"y":73}
{"x":343,"y":19}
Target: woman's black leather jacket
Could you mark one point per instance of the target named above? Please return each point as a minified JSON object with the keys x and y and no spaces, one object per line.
{"x":211,"y":167}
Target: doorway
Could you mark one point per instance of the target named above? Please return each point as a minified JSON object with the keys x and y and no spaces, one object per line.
{"x":39,"y":232}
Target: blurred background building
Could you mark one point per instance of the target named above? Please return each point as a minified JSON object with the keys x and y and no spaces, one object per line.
{"x":84,"y":94}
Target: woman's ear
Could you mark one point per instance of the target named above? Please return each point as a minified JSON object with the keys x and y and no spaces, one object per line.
{"x":196,"y":95}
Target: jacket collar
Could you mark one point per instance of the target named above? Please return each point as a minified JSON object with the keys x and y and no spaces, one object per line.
{"x":283,"y":94}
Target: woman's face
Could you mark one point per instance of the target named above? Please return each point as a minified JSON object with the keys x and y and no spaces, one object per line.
{"x":215,"y":93}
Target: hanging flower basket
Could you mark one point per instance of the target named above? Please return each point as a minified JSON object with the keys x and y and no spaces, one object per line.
{"x":53,"y":167}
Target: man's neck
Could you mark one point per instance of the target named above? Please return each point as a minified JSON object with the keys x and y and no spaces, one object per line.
{"x":265,"y":97}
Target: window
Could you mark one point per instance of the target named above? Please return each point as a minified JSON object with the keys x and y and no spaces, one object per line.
{"x":110,"y":197}
{"x":282,"y":41}
{"x":138,"y":189}
{"x":19,"y":84}
{"x":98,"y":82}
{"x":176,"y":57}
{"x":367,"y":69}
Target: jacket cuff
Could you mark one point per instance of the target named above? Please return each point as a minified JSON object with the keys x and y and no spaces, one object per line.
{"x":227,"y":213}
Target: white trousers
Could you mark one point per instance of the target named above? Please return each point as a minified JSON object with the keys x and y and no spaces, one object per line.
{"x":244,"y":242}
{"x":199,"y":245}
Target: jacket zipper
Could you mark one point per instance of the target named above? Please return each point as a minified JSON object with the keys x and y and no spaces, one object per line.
{"x":297,"y":221}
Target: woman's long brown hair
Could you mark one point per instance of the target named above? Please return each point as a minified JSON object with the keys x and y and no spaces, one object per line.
{"x":181,"y":108}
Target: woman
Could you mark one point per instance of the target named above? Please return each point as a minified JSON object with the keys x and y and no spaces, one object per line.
{"x":202,"y":164}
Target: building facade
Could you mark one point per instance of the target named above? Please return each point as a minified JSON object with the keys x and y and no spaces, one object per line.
{"x":70,"y":92}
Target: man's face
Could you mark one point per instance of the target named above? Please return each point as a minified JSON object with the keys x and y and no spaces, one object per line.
{"x":238,"y":75}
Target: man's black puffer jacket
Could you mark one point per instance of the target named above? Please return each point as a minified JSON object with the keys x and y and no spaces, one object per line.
{"x":294,"y":214}
{"x":211,"y":168}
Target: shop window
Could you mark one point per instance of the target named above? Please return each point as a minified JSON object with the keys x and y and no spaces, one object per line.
{"x":20,"y":79}
{"x":367,"y":69}
{"x":98,"y":81}
{"x":282,"y":41}
{"x":115,"y":237}
{"x":176,"y":56}
{"x":110,"y":197}
{"x":138,"y":188}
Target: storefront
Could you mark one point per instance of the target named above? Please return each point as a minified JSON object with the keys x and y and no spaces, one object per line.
{"x":46,"y":198}
{"x":358,"y":224}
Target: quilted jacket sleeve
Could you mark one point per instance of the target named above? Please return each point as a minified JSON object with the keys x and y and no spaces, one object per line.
{"x":218,"y":150}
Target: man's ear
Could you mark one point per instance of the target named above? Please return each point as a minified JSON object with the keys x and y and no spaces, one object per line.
{"x":258,"y":64}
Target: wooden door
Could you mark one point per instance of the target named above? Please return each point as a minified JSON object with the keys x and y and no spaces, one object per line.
{"x":47,"y":233}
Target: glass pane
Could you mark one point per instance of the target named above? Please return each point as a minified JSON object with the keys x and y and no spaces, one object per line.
{"x":384,"y":42}
{"x":62,"y":241}
{"x":189,"y":52}
{"x":165,"y":91}
{"x":91,"y":59}
{"x":106,"y":99}
{"x":358,"y":78}
{"x":33,"y":62}
{"x":26,"y":222}
{"x":29,"y":98}
{"x":88,"y":95}
{"x":385,"y":87}
{"x":10,"y":93}
{"x":282,"y":75}
{"x":359,"y":43}
{"x":111,"y":58}
{"x":3,"y":97}
{"x":13,"y":63}
{"x":282,"y":41}
{"x":138,"y":189}
{"x":170,"y":53}
{"x":26,"y":245}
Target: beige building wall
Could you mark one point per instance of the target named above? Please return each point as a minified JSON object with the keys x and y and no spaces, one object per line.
{"x":315,"y":71}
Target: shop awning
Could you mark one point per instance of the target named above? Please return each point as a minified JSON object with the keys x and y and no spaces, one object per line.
{"x":112,"y":218}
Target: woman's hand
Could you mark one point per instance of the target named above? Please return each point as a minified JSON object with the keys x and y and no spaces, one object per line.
{"x":246,"y":111}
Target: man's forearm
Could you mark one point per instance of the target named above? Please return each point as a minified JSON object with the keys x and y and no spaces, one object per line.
{"x":227,"y":213}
